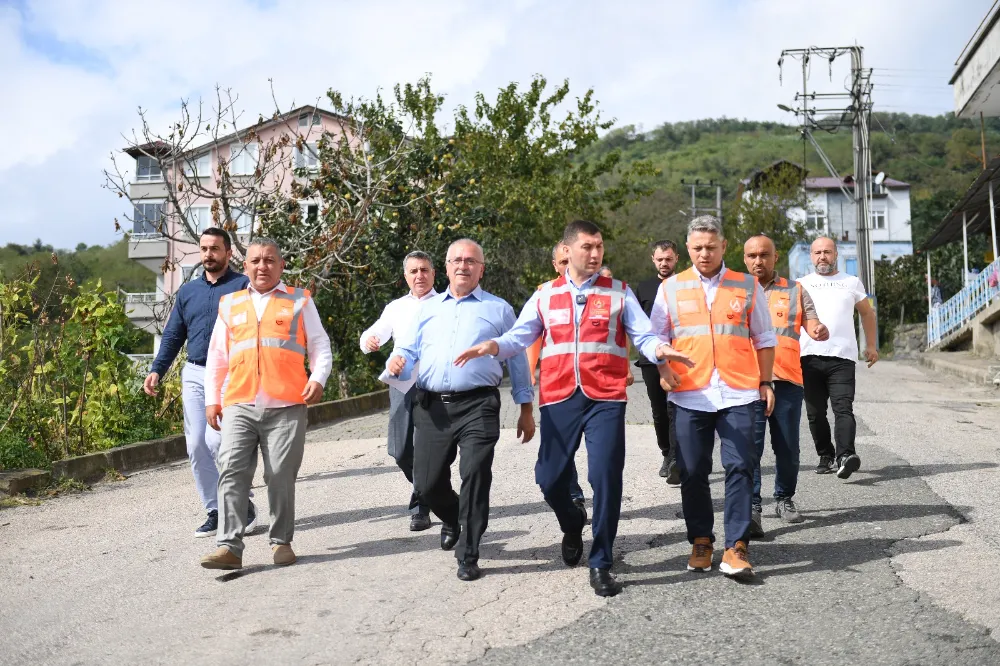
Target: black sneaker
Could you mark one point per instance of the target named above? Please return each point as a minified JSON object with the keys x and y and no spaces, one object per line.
{"x":756,"y":524}
{"x":785,"y":509}
{"x":826,"y":465}
{"x":665,"y":468}
{"x":849,"y":464}
{"x":210,"y":527}
{"x":582,"y":506}
{"x":674,"y":476}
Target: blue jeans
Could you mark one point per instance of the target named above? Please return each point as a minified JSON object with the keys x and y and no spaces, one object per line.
{"x":784,"y":422}
{"x":695,"y":441}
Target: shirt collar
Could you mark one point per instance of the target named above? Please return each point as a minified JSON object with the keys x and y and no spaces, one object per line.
{"x":711,"y":280}
{"x":280,"y":285}
{"x":225,"y":277}
{"x":585,"y":283}
{"x":429,"y":294}
{"x":774,"y":278}
{"x":477,"y":294}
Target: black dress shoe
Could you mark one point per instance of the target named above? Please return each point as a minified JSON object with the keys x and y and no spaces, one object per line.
{"x":582,"y":506}
{"x":420,"y":522}
{"x":572,"y":548}
{"x":470,"y":571}
{"x":604,"y":583}
{"x":674,"y":474}
{"x":449,"y":536}
{"x":665,"y":468}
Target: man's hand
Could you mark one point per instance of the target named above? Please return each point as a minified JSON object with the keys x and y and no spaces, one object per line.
{"x":629,"y":378}
{"x":396,"y":365}
{"x":817,"y":331}
{"x":526,"y":424}
{"x":213,"y":414}
{"x":372,"y":343}
{"x":488,"y":348}
{"x":312,"y":393}
{"x":871,"y":355}
{"x":667,"y":353}
{"x":767,"y":395}
{"x":149,"y":386}
{"x":669,"y":380}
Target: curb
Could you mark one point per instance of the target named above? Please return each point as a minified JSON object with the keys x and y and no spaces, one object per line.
{"x":17,"y":481}
{"x":143,"y":455}
{"x":972,"y":374}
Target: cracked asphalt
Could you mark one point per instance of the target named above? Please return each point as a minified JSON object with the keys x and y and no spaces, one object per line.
{"x":894,"y":566}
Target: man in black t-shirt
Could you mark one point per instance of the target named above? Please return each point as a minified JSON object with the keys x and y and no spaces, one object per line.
{"x":665,"y":260}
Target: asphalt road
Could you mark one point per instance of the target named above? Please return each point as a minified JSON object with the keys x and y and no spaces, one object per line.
{"x":895,"y":566}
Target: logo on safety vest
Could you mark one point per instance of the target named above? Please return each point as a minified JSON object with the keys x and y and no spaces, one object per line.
{"x":780,"y":314}
{"x":736,"y":305}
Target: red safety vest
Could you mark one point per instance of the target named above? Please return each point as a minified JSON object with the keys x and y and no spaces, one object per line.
{"x":592,"y":354}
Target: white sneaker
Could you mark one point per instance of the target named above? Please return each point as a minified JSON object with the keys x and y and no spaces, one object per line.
{"x":251,"y":518}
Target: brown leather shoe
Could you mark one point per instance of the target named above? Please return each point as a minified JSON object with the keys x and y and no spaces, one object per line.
{"x":701,"y":555}
{"x":283,"y":554}
{"x":222,"y":558}
{"x":736,"y":563}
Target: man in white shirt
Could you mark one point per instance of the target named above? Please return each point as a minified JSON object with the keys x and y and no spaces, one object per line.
{"x":397,"y":317}
{"x":261,"y":339}
{"x":828,"y":366}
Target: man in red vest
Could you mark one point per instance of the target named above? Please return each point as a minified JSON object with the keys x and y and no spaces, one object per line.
{"x":792,"y":311}
{"x":583,"y":319}
{"x":720,"y":319}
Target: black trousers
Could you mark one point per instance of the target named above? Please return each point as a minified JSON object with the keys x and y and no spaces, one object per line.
{"x":663,"y":412}
{"x":440,"y":431}
{"x":828,"y":378}
{"x":400,"y":441}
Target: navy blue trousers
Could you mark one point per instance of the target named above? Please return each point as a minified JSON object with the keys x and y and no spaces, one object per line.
{"x":695,"y":441}
{"x":784,"y":422}
{"x":563,"y":425}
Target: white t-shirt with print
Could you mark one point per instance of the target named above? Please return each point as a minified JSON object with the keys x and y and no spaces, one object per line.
{"x":835,"y":297}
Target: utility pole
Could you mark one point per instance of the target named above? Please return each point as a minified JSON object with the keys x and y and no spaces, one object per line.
{"x":695,"y":208}
{"x":855,"y":115}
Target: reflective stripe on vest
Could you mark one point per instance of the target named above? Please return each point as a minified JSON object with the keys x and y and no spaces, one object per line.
{"x":265,"y":353}
{"x":716,"y":336}
{"x":590,"y":353}
{"x":786,"y":316}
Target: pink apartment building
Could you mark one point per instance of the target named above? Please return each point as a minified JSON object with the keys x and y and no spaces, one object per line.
{"x":158,"y":239}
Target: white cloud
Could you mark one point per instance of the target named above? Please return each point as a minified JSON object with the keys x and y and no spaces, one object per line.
{"x":76,"y":70}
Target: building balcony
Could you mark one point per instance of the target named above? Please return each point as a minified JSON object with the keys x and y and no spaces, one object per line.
{"x":976,"y":79}
{"x":145,"y":309}
{"x":149,"y":249}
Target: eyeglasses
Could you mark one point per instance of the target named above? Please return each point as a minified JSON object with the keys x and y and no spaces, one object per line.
{"x":464,"y":261}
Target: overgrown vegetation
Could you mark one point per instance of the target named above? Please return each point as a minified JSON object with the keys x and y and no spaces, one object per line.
{"x":66,"y":386}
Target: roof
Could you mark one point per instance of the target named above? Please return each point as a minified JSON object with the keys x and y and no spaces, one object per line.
{"x":831,"y":183}
{"x":977,"y":38}
{"x":974,"y":205}
{"x":160,"y":148}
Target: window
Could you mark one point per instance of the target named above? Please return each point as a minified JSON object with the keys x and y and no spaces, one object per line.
{"x":304,"y":120}
{"x":243,"y":159}
{"x":816,"y":220}
{"x":243,"y":219}
{"x":308,"y":157}
{"x":878,"y":219}
{"x":200,"y":218}
{"x":146,"y":219}
{"x":189,"y":272}
{"x":199,"y":166}
{"x":147,"y":168}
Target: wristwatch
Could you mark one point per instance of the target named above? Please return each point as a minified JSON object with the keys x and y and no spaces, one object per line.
{"x":769,"y":385}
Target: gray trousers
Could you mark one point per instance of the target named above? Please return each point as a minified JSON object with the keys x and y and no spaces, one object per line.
{"x":281,"y":435}
{"x":400,"y":444}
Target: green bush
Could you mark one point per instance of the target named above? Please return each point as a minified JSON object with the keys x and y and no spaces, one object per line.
{"x":18,"y":451}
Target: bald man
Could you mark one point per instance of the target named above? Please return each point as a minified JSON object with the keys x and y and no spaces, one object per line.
{"x":792,"y":311}
{"x":829,"y":366}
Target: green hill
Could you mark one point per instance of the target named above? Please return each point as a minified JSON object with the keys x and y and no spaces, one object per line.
{"x":938,"y":156}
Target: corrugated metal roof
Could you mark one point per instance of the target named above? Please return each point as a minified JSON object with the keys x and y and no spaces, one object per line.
{"x":975,"y":204}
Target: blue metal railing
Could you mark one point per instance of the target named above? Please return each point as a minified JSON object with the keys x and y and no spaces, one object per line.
{"x":958,"y":310}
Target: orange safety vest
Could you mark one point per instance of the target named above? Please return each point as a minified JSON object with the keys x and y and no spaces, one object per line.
{"x":784,"y":301}
{"x":268,"y":354}
{"x":717,"y":338}
{"x":591,"y":354}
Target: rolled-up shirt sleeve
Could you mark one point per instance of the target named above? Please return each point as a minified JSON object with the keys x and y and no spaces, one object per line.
{"x":761,"y":331}
{"x":216,"y":363}
{"x":526,"y":329}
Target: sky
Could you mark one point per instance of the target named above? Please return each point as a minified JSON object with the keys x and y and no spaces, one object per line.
{"x":74,"y":72}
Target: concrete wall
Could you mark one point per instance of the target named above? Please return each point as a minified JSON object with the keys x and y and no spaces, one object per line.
{"x":986,"y":332}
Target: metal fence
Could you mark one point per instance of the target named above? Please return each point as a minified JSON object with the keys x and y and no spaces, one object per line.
{"x":959,"y":310}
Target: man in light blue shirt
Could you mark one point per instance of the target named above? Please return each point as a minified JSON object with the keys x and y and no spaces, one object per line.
{"x":458,"y":408}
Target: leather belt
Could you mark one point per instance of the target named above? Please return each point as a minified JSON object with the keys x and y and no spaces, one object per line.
{"x":427,"y":396}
